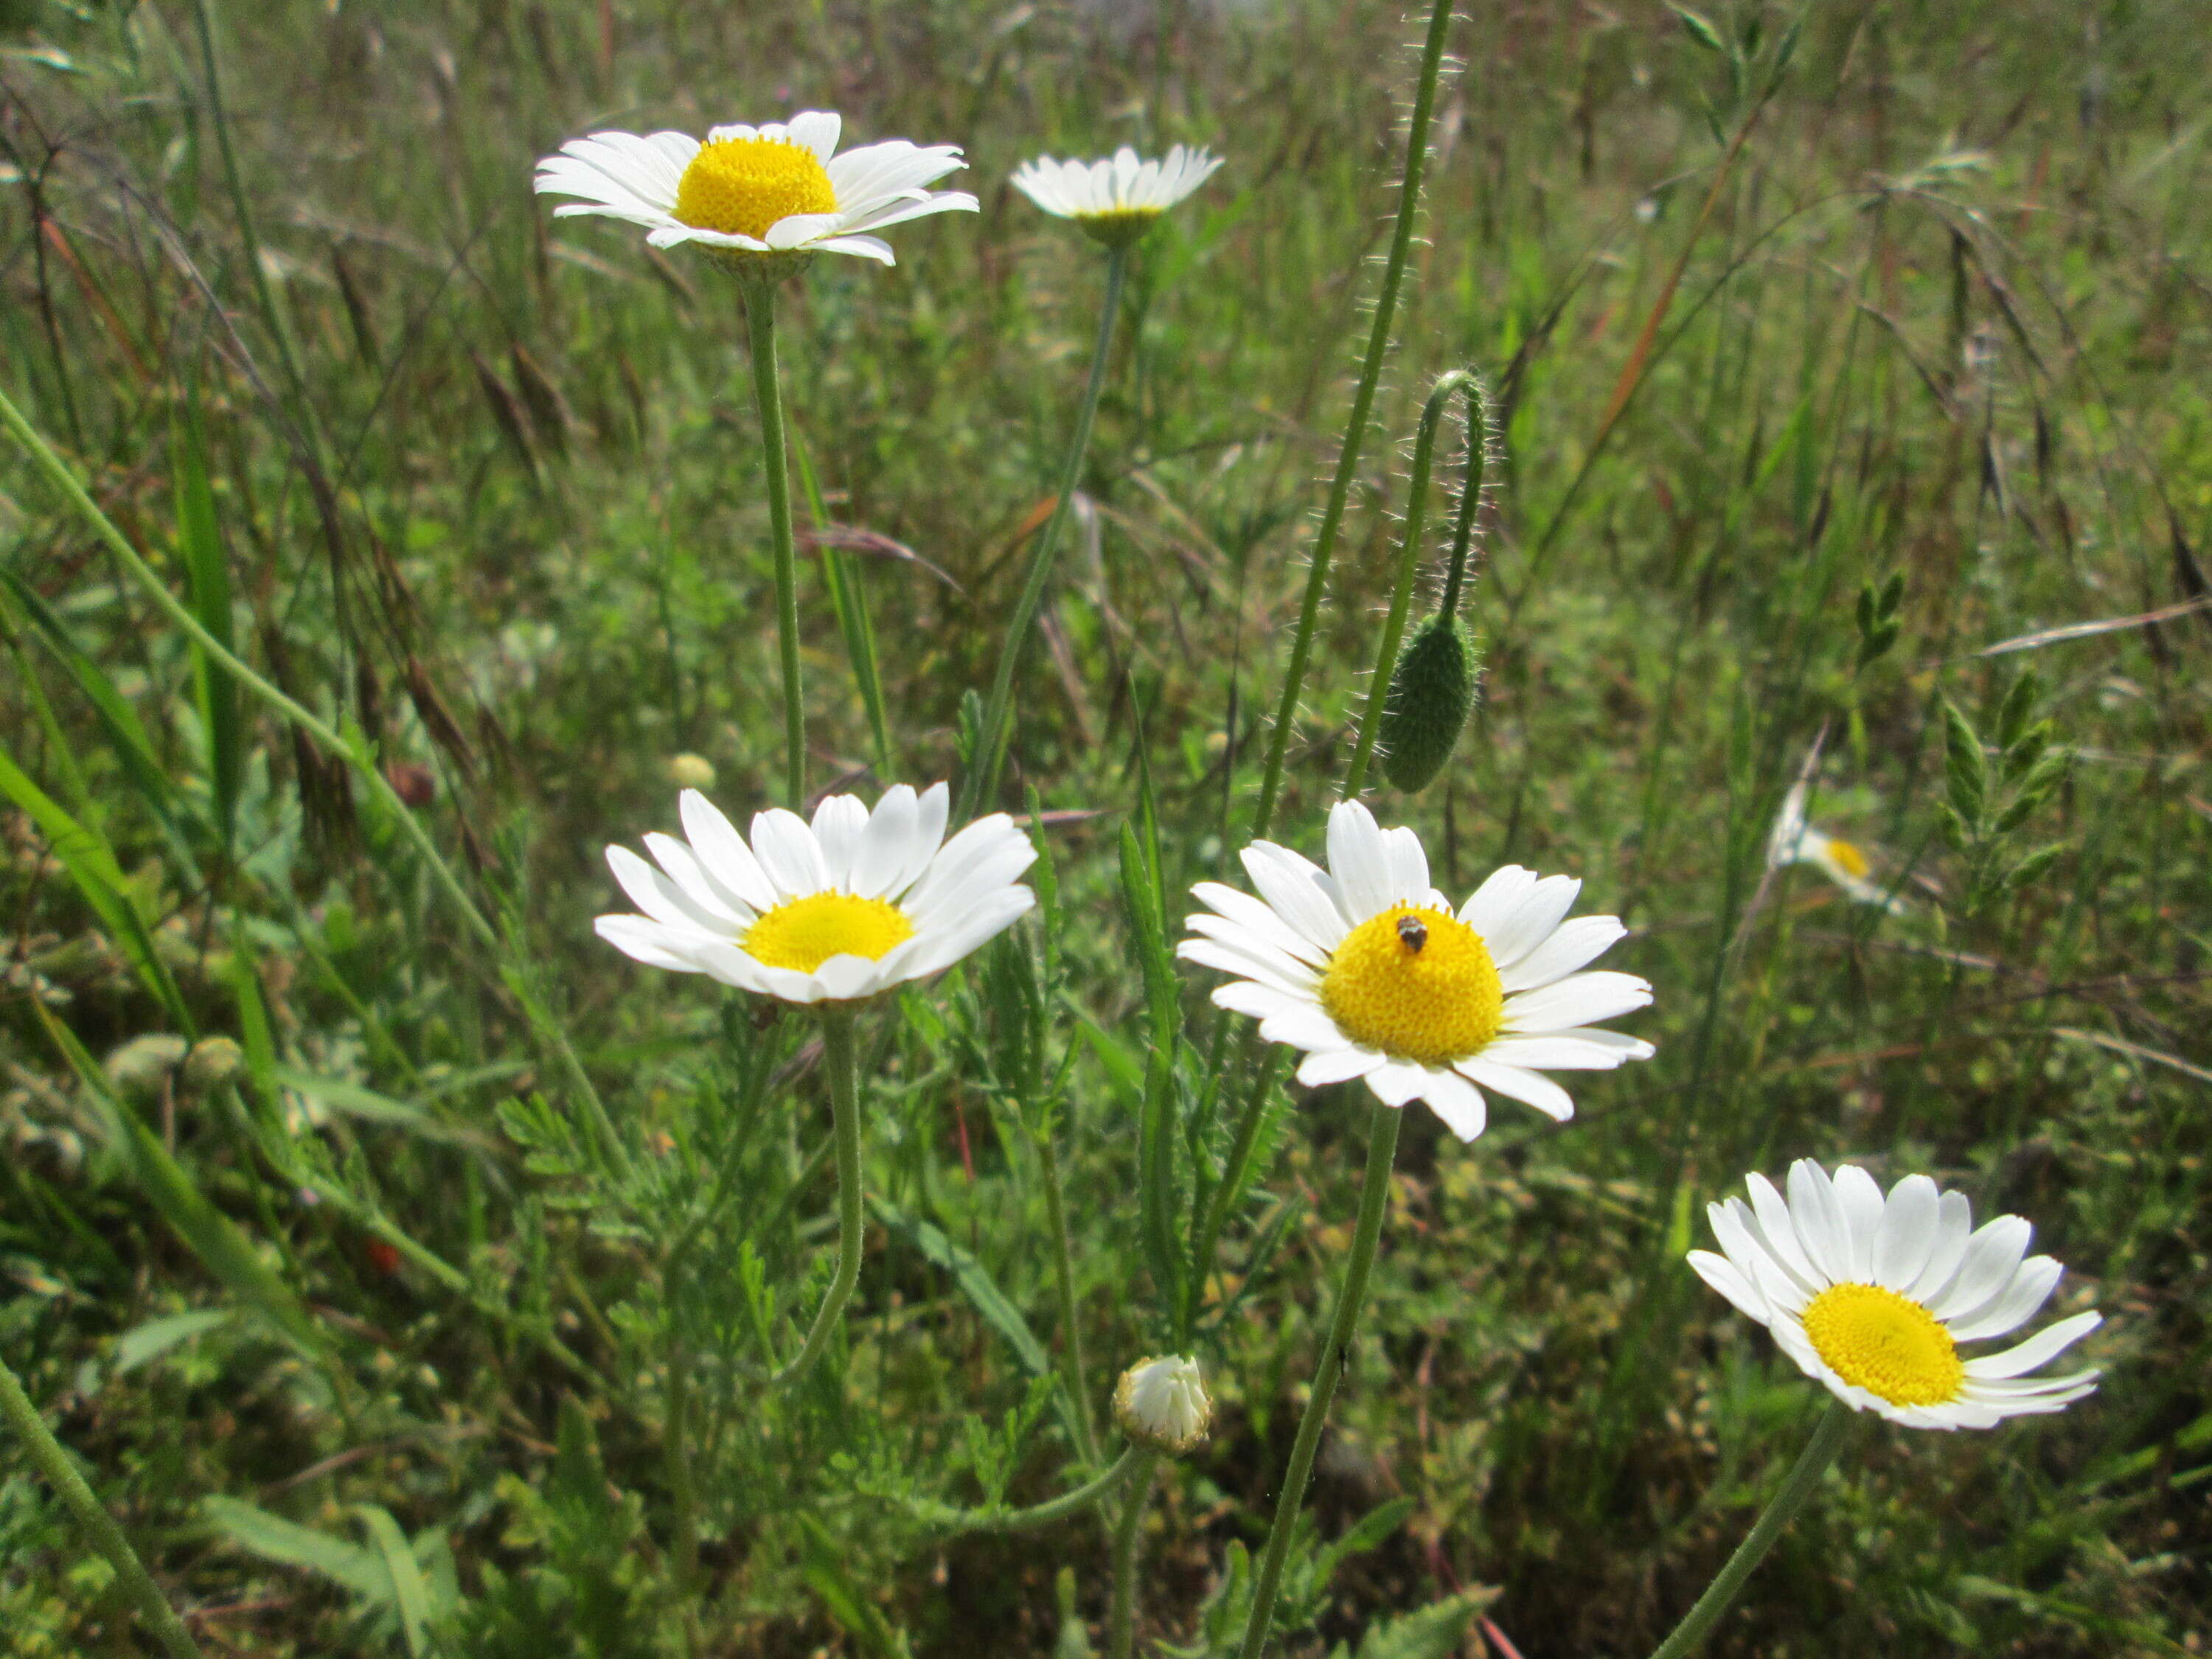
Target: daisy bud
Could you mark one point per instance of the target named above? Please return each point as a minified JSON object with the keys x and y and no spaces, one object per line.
{"x":1431,"y":689}
{"x":213,"y":1062}
{"x":145,"y":1060}
{"x":1161,"y":1404}
{"x":690,"y":771}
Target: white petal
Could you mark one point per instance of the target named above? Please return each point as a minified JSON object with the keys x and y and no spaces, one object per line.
{"x":1819,"y":1220}
{"x":645,"y":941}
{"x":818,"y":129}
{"x":787,"y":851}
{"x":1258,"y":918}
{"x":1531,"y":1088}
{"x":1358,"y":862}
{"x":723,"y":851}
{"x":1907,"y":1234}
{"x":1486,"y":911}
{"x":661,"y":898}
{"x":1458,"y":1102}
{"x":1279,"y":976}
{"x":1725,"y":1277}
{"x":1578,"y":1000}
{"x":709,"y":895}
{"x":860,"y":248}
{"x":1532,"y":921}
{"x":2039,"y":1349}
{"x":2030,"y":1287}
{"x":1569,"y":1051}
{"x":797,"y":229}
{"x":1396,"y":1081}
{"x":1259,"y":948}
{"x":1409,"y":866}
{"x":1307,"y":1027}
{"x":1572,"y":945}
{"x":839,"y":823}
{"x":1992,"y":1256}
{"x":881,"y":858}
{"x":1861,"y":1201}
{"x":1325,"y":1066}
{"x":1954,"y":1225}
{"x":1777,"y":1232}
{"x":1294,"y":887}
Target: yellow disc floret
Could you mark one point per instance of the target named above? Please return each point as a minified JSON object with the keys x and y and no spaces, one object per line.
{"x":805,"y":933}
{"x":1885,"y":1343}
{"x":1849,"y":858}
{"x":1417,"y":983}
{"x":741,"y":186}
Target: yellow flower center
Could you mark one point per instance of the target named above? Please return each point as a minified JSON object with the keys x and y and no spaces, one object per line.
{"x":740,"y":186}
{"x":1885,"y":1343}
{"x":1118,"y":227}
{"x":1849,"y":858}
{"x":803,"y":933}
{"x":1417,"y":983}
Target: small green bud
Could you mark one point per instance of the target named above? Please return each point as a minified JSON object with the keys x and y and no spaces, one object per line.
{"x":1431,"y":689}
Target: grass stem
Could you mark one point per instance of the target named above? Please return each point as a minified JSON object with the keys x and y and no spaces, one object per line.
{"x":54,"y":1462}
{"x":1063,"y":1267}
{"x":991,"y":742}
{"x":1374,"y":1204}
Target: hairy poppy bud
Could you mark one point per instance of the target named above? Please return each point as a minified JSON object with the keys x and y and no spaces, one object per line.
{"x":1431,"y":689}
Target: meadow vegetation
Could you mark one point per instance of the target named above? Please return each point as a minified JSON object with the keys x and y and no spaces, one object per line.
{"x":1833,"y":401}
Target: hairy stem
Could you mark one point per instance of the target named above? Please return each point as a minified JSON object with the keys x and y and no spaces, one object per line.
{"x":54,"y":1462}
{"x":1128,"y":1531}
{"x":1804,"y":1477}
{"x":1362,"y":407}
{"x":845,"y":1114}
{"x":768,"y":398}
{"x":1374,"y":1202}
{"x":1036,"y":1514}
{"x":991,"y":742}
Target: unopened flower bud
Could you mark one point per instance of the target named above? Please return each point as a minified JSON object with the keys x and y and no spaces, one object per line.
{"x":689,"y":771}
{"x":1161,"y":1404}
{"x":145,"y":1060}
{"x":1430,"y":691}
{"x":213,"y":1062}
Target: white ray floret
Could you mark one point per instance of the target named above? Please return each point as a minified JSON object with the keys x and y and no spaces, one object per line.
{"x":1372,"y":973}
{"x":1116,"y":199}
{"x":777,"y":189}
{"x":832,"y":911}
{"x":1871,"y":1296}
{"x":1794,"y":840}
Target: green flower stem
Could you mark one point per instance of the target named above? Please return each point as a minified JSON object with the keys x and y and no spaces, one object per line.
{"x":1037,"y":1515}
{"x":767,"y":397}
{"x":1232,"y":1182}
{"x":1804,"y":1477}
{"x":54,"y":1462}
{"x":548,"y":1030}
{"x":1409,"y":555}
{"x":1121,"y":1612}
{"x":1362,"y":407}
{"x":845,"y":1114}
{"x":991,"y":742}
{"x":1063,"y":1269}
{"x":1374,"y":1202}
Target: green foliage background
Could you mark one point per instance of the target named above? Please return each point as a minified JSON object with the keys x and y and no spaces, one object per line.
{"x":377,"y":1351}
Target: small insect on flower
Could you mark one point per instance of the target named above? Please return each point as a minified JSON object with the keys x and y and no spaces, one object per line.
{"x":1118,"y":199}
{"x":1373,"y":973}
{"x":834,"y":911}
{"x":760,"y":197}
{"x":1795,"y":841}
{"x":1872,"y":1296}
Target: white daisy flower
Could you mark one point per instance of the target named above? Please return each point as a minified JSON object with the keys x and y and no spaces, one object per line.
{"x":782,"y":188}
{"x":1872,"y":1296}
{"x":1162,"y":1403}
{"x":1370,"y":971}
{"x":1795,"y":841}
{"x":851,"y":905}
{"x":1117,"y":199}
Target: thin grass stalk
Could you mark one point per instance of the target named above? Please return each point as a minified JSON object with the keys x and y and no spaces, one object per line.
{"x":768,"y":399}
{"x":1063,"y":1270}
{"x":1128,"y":1532}
{"x":1409,"y":553}
{"x":837,"y":1065}
{"x":1798,"y":1486}
{"x":1374,"y":1205}
{"x":991,"y":741}
{"x":550,"y":1031}
{"x":1208,"y":1239}
{"x":1362,"y":407}
{"x":84,"y":1506}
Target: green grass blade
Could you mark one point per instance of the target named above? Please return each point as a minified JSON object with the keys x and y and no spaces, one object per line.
{"x":207,"y":591}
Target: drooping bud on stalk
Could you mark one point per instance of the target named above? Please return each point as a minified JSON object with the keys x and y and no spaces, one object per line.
{"x":1431,"y":691}
{"x":1161,"y":1404}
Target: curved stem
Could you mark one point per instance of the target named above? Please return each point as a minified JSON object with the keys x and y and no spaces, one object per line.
{"x":1363,"y":406}
{"x":548,"y":1031}
{"x":1409,"y":561}
{"x":768,"y":399}
{"x":1121,"y":1612}
{"x":845,"y":1115}
{"x":1037,"y":1515}
{"x":1798,"y":1486}
{"x":991,"y":742}
{"x":24,"y":1418}
{"x":1374,"y":1202}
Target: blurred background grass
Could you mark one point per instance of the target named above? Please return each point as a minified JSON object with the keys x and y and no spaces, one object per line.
{"x":485,"y":491}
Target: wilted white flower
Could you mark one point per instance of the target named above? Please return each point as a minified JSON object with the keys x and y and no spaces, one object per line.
{"x":1161,"y":1403}
{"x":1370,"y":971}
{"x":1795,"y":841}
{"x":1117,"y":199}
{"x":841,"y":909}
{"x":751,"y":191}
{"x":1872,"y":1296}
